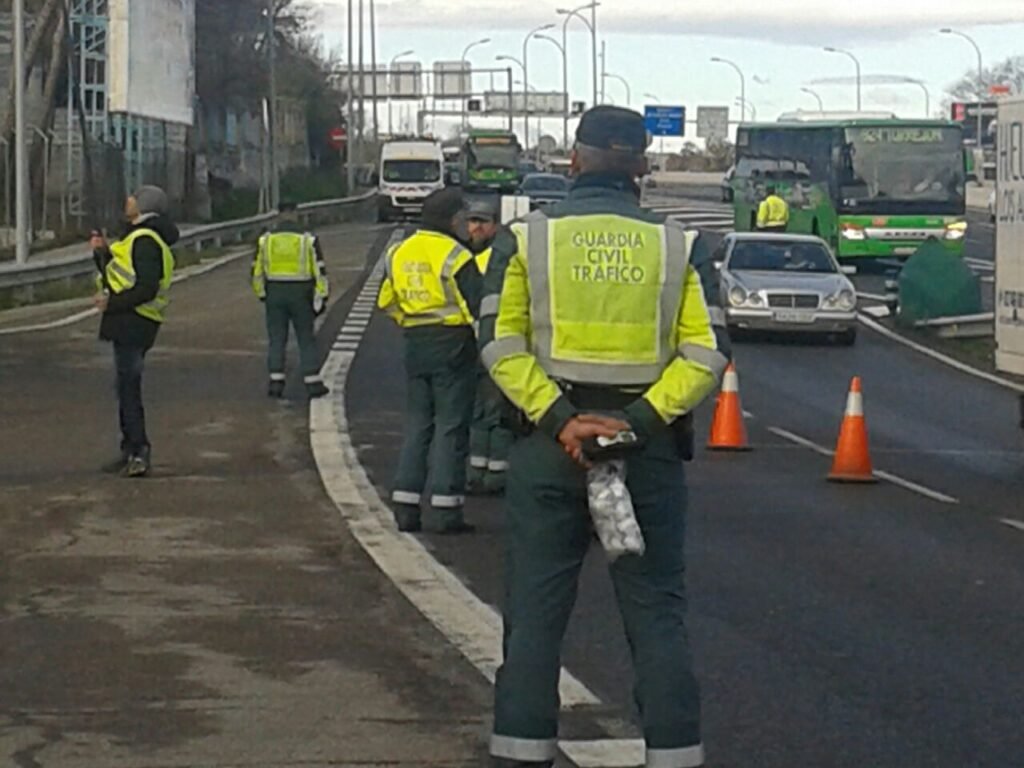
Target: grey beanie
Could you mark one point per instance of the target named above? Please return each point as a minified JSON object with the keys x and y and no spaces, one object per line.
{"x":150,"y":200}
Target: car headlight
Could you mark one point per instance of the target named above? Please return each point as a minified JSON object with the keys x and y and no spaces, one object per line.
{"x":849,"y":232}
{"x":846,"y":300}
{"x":755,"y":300}
{"x":956,"y":231}
{"x":737,"y":296}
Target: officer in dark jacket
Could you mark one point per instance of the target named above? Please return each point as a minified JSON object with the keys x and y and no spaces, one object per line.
{"x":134,"y":280}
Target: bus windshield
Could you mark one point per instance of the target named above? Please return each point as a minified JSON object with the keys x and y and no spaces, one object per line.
{"x":893,"y":170}
{"x":411,"y":170}
{"x":499,"y":156}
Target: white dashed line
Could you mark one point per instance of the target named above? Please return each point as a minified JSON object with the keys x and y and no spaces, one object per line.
{"x":902,"y":482}
{"x":1012,"y":523}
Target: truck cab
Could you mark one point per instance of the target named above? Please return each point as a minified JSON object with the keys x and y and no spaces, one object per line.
{"x":409,"y":172}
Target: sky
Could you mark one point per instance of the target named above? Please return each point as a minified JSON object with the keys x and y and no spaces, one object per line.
{"x":663,"y":48}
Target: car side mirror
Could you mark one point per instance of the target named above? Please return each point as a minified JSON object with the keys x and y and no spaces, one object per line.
{"x":848,"y":269}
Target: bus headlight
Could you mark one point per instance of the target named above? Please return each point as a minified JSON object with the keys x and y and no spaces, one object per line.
{"x":737,"y":296}
{"x":851,"y":232}
{"x":956,"y":231}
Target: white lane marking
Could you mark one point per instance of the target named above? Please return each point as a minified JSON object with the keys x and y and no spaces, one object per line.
{"x":181,"y":277}
{"x":988,"y":279}
{"x":902,"y":482}
{"x":471,"y":625}
{"x":872,"y":296}
{"x":877,"y":311}
{"x":962,"y":367}
{"x":606,"y":753}
{"x":1012,"y":523}
{"x":980,"y":263}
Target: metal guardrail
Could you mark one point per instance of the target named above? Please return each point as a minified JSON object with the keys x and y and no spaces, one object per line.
{"x":976,"y":326}
{"x":80,"y":263}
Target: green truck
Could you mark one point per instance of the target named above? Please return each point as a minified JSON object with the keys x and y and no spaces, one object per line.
{"x":490,"y":161}
{"x":869,"y":187}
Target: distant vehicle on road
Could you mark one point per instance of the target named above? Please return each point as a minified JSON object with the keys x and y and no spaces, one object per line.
{"x":561,"y":166}
{"x":869,"y":187}
{"x":409,"y":171}
{"x":490,"y":161}
{"x":785,"y":283}
{"x":544,"y":189}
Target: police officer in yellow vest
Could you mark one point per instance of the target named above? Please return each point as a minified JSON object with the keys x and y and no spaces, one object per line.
{"x":430,"y":285}
{"x":773,"y":212}
{"x":289,"y":276}
{"x":598,"y":321}
{"x":134,"y":283}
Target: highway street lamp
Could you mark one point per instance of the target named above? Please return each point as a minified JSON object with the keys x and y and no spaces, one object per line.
{"x":570,"y":13}
{"x":927,"y":97}
{"x":621,"y":79}
{"x":743,"y":79}
{"x":856,"y":63}
{"x":565,"y":86}
{"x":743,"y":104}
{"x":981,"y":67}
{"x":391,"y":76}
{"x":821,"y":104}
{"x":511,"y":106}
{"x":526,"y":81}
{"x":21,"y":213}
{"x":465,"y":53}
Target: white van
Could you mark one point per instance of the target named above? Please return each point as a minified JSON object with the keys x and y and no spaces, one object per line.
{"x":409,"y":171}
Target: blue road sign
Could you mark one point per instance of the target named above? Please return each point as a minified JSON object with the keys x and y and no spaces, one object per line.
{"x":665,"y":121}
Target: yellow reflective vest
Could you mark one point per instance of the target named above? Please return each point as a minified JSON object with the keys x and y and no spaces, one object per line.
{"x":482,"y":260}
{"x":288,"y":257}
{"x":119,"y":275}
{"x":773,"y":213}
{"x":419,"y":287}
{"x":604,"y":300}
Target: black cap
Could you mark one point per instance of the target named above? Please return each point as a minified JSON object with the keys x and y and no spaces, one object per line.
{"x":439,"y":208}
{"x":614,"y":128}
{"x":480,"y":210}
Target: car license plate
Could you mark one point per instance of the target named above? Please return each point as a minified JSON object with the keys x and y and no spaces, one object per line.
{"x":794,"y":316}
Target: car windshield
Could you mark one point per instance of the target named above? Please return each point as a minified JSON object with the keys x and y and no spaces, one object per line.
{"x":545,"y":184}
{"x":411,"y":170}
{"x":762,"y":256}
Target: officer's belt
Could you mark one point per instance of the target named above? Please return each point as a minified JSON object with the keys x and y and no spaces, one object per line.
{"x":590,"y":397}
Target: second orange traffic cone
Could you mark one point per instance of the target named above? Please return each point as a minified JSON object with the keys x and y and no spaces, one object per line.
{"x":728,"y":432}
{"x":852,"y":462}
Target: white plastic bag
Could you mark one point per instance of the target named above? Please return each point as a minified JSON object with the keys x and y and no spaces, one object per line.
{"x":611,"y":509}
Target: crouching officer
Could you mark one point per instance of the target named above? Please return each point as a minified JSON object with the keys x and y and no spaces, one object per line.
{"x":489,"y":436}
{"x":289,"y":276}
{"x":597,"y":322}
{"x":430,"y":286}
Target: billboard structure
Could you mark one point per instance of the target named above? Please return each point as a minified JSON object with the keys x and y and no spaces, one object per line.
{"x":452,"y":79}
{"x":151,"y":59}
{"x":540,"y":103}
{"x":713,"y":123}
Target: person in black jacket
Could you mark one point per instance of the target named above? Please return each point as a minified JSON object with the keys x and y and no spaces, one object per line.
{"x":135,"y":277}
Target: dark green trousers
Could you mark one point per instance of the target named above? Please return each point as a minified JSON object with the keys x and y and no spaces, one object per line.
{"x":290,"y":305}
{"x":440,"y":367}
{"x":489,"y":439}
{"x":549,"y":533}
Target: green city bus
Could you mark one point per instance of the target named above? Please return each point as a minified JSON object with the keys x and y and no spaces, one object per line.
{"x":870,"y":187}
{"x":491,"y":161}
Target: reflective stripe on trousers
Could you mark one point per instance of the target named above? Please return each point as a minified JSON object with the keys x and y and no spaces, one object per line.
{"x":674,"y":240}
{"x":525,"y":750}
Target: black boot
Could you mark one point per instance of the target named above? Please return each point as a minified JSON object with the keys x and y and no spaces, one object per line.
{"x":408,"y":519}
{"x":317,"y":389}
{"x":276,"y":390}
{"x":139,"y":464}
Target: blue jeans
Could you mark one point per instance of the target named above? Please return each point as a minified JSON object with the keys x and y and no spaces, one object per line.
{"x":129,"y":361}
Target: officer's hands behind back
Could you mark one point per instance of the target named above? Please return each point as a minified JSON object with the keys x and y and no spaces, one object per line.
{"x":585,"y":426}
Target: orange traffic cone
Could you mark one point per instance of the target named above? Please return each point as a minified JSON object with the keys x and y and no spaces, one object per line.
{"x":728,"y":432}
{"x":852,"y":460}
